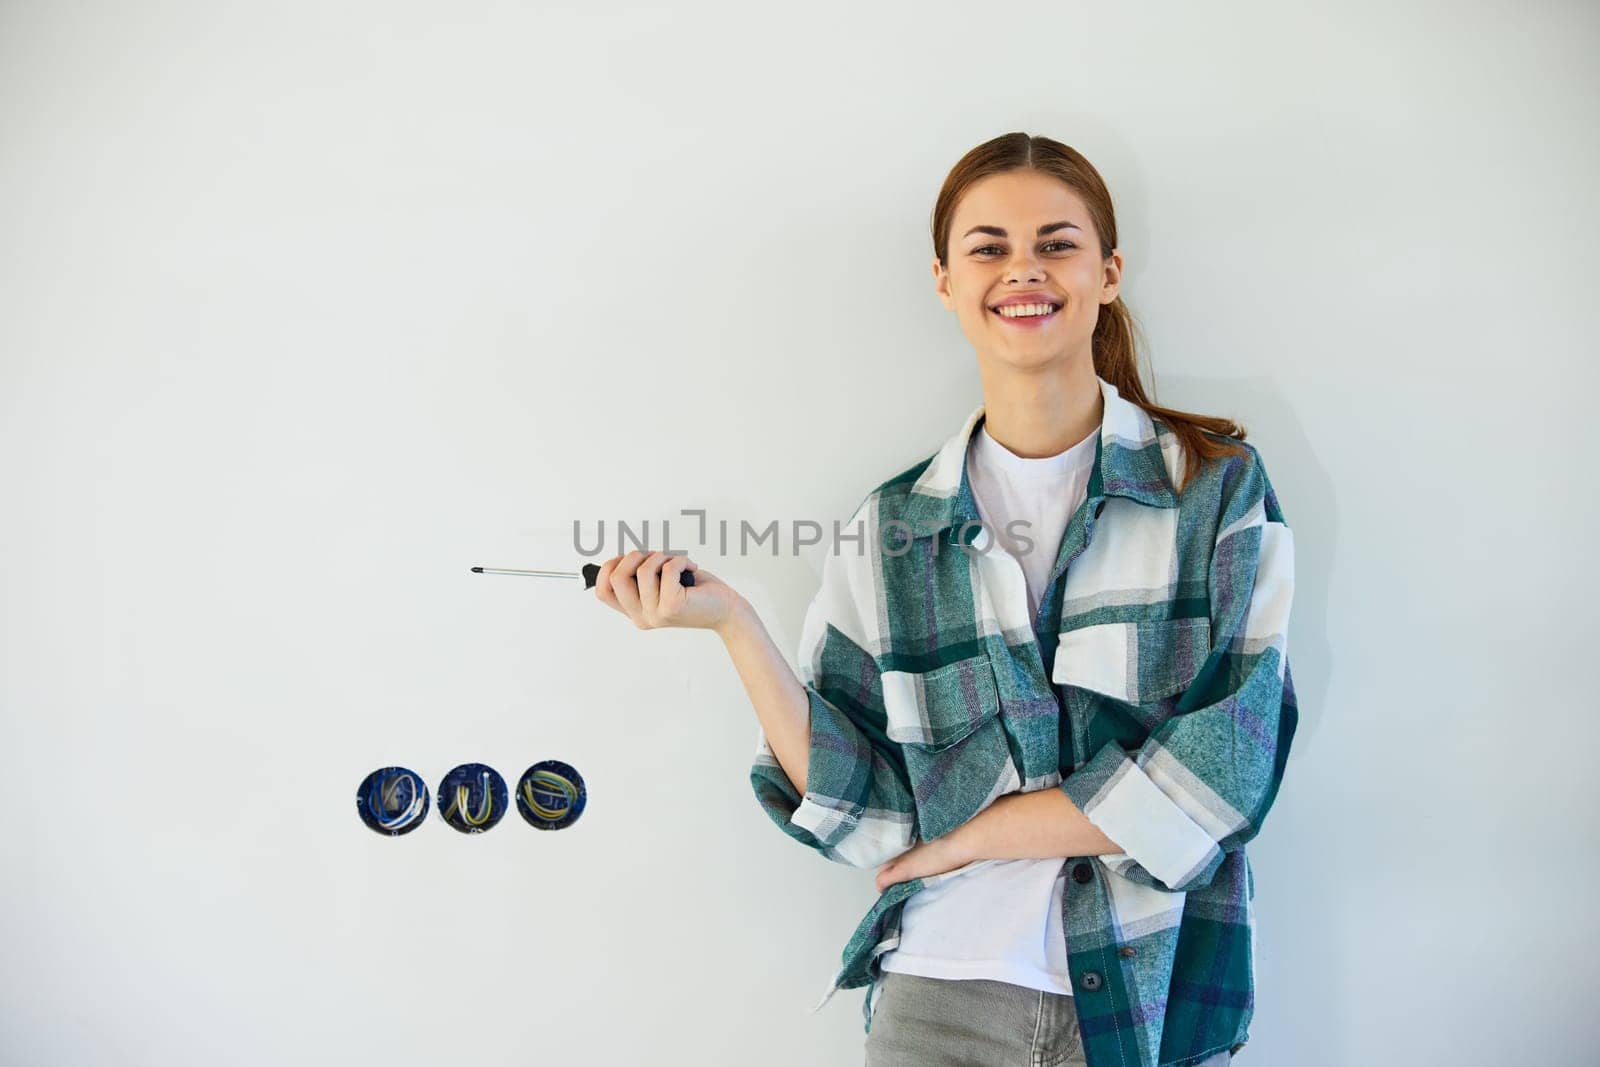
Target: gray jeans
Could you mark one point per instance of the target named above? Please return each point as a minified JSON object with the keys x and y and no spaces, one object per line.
{"x":939,"y":1022}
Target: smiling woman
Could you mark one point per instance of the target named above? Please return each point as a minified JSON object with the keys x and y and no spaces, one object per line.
{"x":1129,"y":650}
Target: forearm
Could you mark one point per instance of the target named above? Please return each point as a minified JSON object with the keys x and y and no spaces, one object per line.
{"x":780,"y":699}
{"x":1041,"y":824}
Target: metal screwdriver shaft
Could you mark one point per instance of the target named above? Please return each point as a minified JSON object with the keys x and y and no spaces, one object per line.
{"x":589,"y":573}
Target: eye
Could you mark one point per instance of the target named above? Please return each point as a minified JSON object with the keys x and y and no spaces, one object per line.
{"x":985,"y":249}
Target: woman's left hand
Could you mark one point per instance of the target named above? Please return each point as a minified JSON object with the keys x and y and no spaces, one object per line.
{"x":924,"y":859}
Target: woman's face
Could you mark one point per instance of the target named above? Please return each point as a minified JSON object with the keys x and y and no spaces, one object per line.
{"x":1023,"y":233}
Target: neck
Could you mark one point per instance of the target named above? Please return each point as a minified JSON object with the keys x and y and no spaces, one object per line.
{"x":1039,"y":415}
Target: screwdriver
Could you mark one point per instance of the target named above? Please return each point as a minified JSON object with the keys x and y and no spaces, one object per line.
{"x":589,"y":573}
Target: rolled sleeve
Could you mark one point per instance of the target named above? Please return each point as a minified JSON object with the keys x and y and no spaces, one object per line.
{"x":1203,"y":781}
{"x":857,"y":808}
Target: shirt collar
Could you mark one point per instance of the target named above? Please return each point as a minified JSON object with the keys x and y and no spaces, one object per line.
{"x":1127,"y":463}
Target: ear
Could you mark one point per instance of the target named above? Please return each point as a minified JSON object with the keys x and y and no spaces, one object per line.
{"x":1112,"y":285}
{"x":941,"y":285}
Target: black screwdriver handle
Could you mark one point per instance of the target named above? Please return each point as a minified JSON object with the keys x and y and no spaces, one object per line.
{"x":591,"y":571}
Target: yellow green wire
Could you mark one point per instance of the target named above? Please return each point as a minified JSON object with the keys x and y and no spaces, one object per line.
{"x":553,"y":781}
{"x":463,"y":795}
{"x":463,"y":792}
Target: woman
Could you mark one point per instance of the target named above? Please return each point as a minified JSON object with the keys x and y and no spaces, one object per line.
{"x":1048,"y":694}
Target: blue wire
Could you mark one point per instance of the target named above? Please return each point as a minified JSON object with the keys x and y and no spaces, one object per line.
{"x":385,"y":821}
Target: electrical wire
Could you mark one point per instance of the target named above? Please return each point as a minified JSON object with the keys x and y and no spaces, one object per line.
{"x":464,"y":796}
{"x":552,"y":786}
{"x":387,"y":787}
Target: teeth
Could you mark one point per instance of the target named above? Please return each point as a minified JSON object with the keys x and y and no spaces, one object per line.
{"x":1022,"y":311}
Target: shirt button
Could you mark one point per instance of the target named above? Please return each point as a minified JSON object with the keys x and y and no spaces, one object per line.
{"x":1081,"y":873}
{"x":1091,"y":980}
{"x":1126,"y":952}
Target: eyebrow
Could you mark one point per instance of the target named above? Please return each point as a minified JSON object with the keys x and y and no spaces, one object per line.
{"x":996,"y":231}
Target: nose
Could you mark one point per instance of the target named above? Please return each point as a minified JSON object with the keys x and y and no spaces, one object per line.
{"x":1024,"y":267}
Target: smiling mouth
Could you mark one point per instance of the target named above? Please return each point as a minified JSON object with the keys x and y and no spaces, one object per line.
{"x":1027,"y":314}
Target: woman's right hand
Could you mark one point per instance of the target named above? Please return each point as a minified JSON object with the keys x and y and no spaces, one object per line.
{"x":646,"y":588}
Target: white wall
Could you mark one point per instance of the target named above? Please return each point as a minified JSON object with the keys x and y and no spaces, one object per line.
{"x":305,"y":309}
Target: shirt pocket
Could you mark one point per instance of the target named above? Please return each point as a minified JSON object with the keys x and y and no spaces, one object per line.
{"x":1143,"y":662}
{"x":947,"y":722}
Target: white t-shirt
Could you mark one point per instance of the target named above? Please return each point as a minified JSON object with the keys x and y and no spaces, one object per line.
{"x":1002,"y":920}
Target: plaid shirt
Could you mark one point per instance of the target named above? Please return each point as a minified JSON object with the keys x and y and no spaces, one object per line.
{"x":1153,"y":687}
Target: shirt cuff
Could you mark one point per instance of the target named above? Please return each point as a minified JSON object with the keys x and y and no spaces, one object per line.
{"x":1115,"y":794}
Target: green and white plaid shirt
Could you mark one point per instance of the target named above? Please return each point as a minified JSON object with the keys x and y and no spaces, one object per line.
{"x":1153,"y":687}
